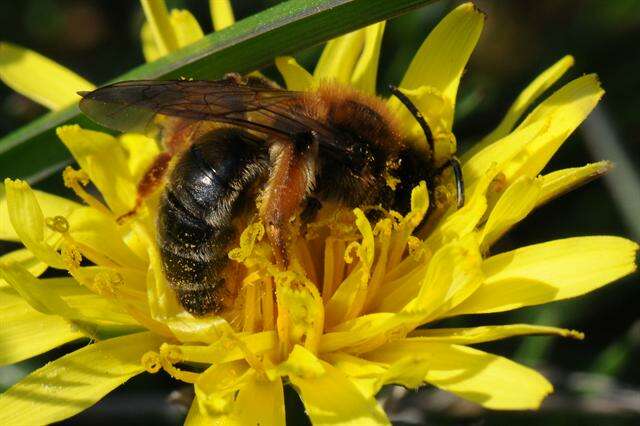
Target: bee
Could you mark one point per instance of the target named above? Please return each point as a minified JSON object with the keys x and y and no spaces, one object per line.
{"x":232,"y":141}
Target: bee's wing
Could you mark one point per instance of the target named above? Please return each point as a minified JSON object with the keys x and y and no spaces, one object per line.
{"x":132,"y":105}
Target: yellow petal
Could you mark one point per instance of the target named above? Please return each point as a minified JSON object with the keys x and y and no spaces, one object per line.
{"x":182,"y":24}
{"x":561,"y":181}
{"x":41,"y":298}
{"x":196,"y":417}
{"x":221,"y":14}
{"x":185,"y":27}
{"x":66,"y":298}
{"x":366,"y":70}
{"x":26,"y":332}
{"x":553,"y":270}
{"x":102,"y":157}
{"x":28,"y":221}
{"x":217,"y":386}
{"x":408,"y":371}
{"x":163,"y":303}
{"x":76,"y":381}
{"x":454,"y":273}
{"x":158,"y":18}
{"x":339,"y":57}
{"x":441,"y":59}
{"x":295,"y":77}
{"x":141,"y":151}
{"x":331,"y":398}
{"x":489,"y":380}
{"x":499,"y":153}
{"x":51,"y":205}
{"x":39,"y":78}
{"x":524,"y":100}
{"x":564,"y":110}
{"x":461,"y":222}
{"x":489,"y":333}
{"x":149,"y":46}
{"x":26,"y":260}
{"x":515,"y":204}
{"x":582,"y":94}
{"x":259,"y":402}
{"x":363,"y":373}
{"x":300,"y":362}
{"x":352,"y":335}
{"x":95,"y":230}
{"x":89,"y":306}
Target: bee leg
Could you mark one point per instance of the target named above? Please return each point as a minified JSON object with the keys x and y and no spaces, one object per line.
{"x":454,"y":163}
{"x":292,"y":177}
{"x":150,"y":181}
{"x":254,"y":80}
{"x":311,"y":208}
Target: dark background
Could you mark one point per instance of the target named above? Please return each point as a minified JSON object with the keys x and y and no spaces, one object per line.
{"x":598,"y":380}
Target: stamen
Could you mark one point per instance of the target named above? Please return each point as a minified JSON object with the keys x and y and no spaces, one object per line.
{"x":267,"y":304}
{"x":151,"y":362}
{"x":71,"y":256}
{"x":442,"y":196}
{"x":57,"y":224}
{"x":252,"y":359}
{"x":396,"y":217}
{"x":282,"y":327}
{"x":72,"y":251}
{"x":392,"y":182}
{"x":416,"y":248}
{"x":499,"y":183}
{"x":77,"y":180}
{"x":304,"y":256}
{"x":333,"y":266}
{"x":169,"y":356}
{"x":107,"y":284}
{"x":91,"y":254}
{"x":382,"y":231}
{"x":250,"y":306}
{"x":350,"y":251}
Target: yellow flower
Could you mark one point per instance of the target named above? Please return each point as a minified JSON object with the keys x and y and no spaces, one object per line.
{"x":355,"y":310}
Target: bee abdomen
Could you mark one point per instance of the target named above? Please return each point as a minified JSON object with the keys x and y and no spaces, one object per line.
{"x":193,"y":252}
{"x":196,"y":213}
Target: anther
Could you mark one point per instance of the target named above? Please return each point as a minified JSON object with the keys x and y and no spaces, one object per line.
{"x":170,"y":353}
{"x":151,"y":362}
{"x":57,"y":224}
{"x":350,"y":251}
{"x":77,"y":180}
{"x":71,"y":256}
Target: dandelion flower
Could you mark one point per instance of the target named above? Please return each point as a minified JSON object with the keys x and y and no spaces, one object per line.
{"x":355,"y":310}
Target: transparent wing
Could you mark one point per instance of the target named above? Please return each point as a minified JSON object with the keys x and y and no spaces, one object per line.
{"x":132,"y":105}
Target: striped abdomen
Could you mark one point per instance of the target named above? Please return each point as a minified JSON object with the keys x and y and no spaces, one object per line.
{"x":206,"y":190}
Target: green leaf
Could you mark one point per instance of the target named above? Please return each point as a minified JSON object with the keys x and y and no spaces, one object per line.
{"x":34,"y":152}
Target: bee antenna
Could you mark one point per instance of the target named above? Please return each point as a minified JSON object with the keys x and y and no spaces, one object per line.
{"x":416,"y":114}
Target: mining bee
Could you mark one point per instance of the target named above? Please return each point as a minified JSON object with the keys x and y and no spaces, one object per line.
{"x":236,"y":140}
